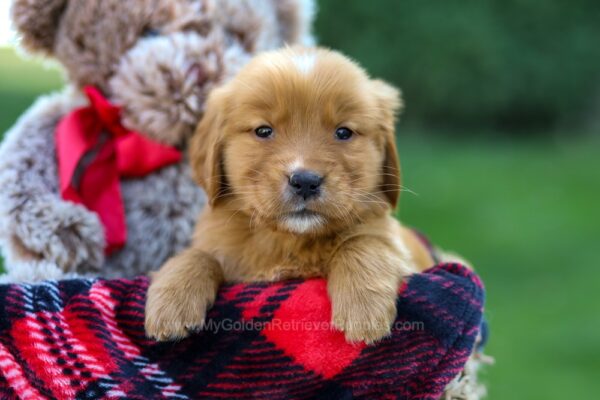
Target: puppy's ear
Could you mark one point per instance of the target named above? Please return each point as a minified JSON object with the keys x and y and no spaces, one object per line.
{"x":389,"y":104}
{"x":37,"y":21}
{"x":206,"y":149}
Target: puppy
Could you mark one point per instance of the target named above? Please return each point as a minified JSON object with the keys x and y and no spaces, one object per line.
{"x":298,"y":159}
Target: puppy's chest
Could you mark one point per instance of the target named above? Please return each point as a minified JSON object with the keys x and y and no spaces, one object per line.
{"x":272,"y":259}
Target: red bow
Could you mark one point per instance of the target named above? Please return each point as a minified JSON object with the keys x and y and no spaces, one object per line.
{"x":94,"y":150}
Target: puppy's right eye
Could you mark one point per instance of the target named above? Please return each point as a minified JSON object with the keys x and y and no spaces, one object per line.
{"x":343,"y":133}
{"x":264,"y":132}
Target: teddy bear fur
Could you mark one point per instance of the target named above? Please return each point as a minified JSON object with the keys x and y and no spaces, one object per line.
{"x":157,"y":59}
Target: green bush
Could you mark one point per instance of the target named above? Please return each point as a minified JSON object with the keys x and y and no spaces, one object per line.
{"x":511,"y":64}
{"x":22,"y":80}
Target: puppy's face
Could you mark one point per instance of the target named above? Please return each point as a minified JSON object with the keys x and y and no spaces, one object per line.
{"x":301,"y":140}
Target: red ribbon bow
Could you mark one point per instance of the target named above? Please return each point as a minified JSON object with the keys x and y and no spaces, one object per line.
{"x":94,"y":150}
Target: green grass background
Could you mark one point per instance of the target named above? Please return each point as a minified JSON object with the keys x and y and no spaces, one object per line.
{"x":524,"y":211}
{"x":518,"y":65}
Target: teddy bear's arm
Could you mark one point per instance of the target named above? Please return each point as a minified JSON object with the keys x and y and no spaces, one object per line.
{"x":35,"y":223}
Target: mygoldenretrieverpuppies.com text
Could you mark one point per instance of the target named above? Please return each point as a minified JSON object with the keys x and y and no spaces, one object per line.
{"x":227,"y":325}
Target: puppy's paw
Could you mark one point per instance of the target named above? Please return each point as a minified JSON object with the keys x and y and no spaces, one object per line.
{"x":180,"y":293}
{"x":172,"y":314}
{"x":367,"y":320}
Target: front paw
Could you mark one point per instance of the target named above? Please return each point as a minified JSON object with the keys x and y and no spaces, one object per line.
{"x":60,"y":232}
{"x":173,"y":314}
{"x":364,"y":318}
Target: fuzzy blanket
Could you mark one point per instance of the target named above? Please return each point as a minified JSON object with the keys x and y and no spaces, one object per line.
{"x":84,"y":339}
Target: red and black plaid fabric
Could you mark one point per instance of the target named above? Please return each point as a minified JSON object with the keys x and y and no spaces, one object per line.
{"x":84,"y":339}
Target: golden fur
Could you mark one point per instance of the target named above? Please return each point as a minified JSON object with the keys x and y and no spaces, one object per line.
{"x":253,"y":231}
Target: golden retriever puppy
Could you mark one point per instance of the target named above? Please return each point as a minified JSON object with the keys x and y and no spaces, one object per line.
{"x":298,"y":159}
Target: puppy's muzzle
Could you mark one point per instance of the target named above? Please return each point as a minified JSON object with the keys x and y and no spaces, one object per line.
{"x":305,"y":184}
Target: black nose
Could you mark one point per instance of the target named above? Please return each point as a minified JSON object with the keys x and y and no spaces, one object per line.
{"x":305,"y":183}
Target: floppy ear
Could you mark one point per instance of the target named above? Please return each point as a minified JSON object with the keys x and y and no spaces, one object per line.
{"x":389,"y":104}
{"x":206,"y":149}
{"x":37,"y":21}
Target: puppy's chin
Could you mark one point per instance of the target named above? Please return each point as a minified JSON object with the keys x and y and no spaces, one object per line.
{"x":302,"y":222}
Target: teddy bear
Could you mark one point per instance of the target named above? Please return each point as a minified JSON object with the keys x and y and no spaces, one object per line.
{"x":94,"y":179}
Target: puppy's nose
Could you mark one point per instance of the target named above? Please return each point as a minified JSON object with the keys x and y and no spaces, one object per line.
{"x":305,"y":183}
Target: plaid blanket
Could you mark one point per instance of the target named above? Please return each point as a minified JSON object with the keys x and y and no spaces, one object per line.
{"x":84,"y":339}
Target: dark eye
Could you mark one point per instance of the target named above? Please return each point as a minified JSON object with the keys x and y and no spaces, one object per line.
{"x":150,"y":32}
{"x":343,"y":133}
{"x":264,"y":131}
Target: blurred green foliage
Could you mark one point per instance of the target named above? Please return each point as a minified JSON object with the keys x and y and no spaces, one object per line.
{"x":523,"y":66}
{"x":20,"y":83}
{"x":526,"y":215}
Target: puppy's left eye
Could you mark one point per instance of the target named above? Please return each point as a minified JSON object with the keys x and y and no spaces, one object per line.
{"x":343,"y":133}
{"x":264,"y":132}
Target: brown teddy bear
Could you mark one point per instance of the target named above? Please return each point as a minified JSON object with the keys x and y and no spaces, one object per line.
{"x":94,"y":178}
